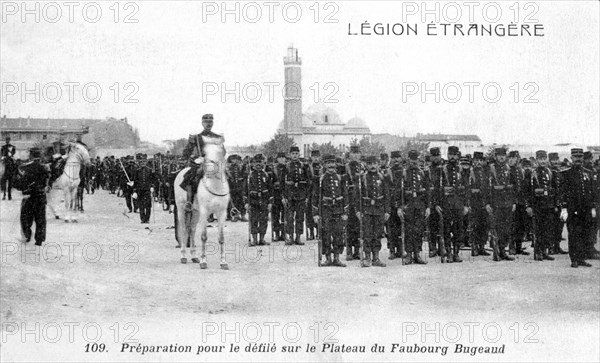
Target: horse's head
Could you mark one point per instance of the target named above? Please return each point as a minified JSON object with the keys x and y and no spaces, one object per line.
{"x":214,"y":157}
{"x":80,"y":152}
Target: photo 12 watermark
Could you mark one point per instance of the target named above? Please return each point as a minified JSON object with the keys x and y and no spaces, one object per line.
{"x":51,"y":12}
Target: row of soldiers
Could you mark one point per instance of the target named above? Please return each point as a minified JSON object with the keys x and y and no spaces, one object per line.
{"x":454,"y":202}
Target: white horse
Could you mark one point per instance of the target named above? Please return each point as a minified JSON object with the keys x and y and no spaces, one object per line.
{"x":69,"y":180}
{"x":212,"y":198}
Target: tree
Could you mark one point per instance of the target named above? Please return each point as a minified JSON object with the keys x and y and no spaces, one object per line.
{"x":421,"y":147}
{"x":278,"y":143}
{"x":325,"y":149}
{"x":368,"y":147}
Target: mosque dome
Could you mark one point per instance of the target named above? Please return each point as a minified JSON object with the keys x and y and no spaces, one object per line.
{"x":356,"y":123}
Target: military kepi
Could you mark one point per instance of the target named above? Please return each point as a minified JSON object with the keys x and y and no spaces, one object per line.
{"x":294,"y":149}
{"x":452,"y":150}
{"x":434,"y":151}
{"x":354,"y":149}
{"x":540,"y":154}
{"x":207,"y":116}
{"x":576,"y":152}
{"x":413,"y":154}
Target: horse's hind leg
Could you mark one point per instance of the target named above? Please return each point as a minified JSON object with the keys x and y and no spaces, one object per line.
{"x":221,"y":221}
{"x":193,"y":251}
{"x":182,"y":233}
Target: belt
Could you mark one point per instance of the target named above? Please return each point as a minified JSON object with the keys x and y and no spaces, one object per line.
{"x":475,"y":191}
{"x":448,"y":191}
{"x":373,"y":199}
{"x":259,"y":193}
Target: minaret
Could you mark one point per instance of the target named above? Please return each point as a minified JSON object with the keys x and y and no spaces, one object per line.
{"x":292,"y":106}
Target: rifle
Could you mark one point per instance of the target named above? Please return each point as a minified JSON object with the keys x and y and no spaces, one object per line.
{"x":360,"y":221}
{"x":249,"y":209}
{"x":320,"y":226}
{"x":442,"y":242}
{"x":402,"y":225}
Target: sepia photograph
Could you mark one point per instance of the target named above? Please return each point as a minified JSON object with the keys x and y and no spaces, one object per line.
{"x":300,"y":181}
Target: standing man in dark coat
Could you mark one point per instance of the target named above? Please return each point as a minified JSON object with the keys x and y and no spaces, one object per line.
{"x":34,"y":185}
{"x":315,"y":173}
{"x":396,"y":176}
{"x":8,"y":153}
{"x":582,"y":202}
{"x":258,"y":200}
{"x":330,"y":208}
{"x":277,"y":212}
{"x":413,"y":208}
{"x":373,"y":206}
{"x":297,"y":180}
{"x":143,"y":187}
{"x":354,"y":169}
{"x":542,"y":198}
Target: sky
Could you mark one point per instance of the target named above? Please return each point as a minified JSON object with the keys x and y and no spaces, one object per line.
{"x":178,"y":59}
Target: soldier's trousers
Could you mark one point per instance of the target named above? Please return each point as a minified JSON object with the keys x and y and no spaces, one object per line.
{"x":434,"y":230}
{"x":544,"y":228}
{"x":237,"y":201}
{"x":6,"y":183}
{"x":310,"y":222}
{"x":332,"y":228}
{"x":353,"y":230}
{"x":259,"y":219}
{"x":145,"y":204}
{"x":579,"y":228}
{"x":453,"y":228}
{"x":277,"y":216}
{"x":373,"y":228}
{"x":129,"y":201}
{"x":295,"y":216}
{"x":503,"y":218}
{"x":557,"y":228}
{"x":394,"y":236}
{"x":479,"y":224}
{"x":519,"y":227}
{"x":34,"y":210}
{"x":414,"y":219}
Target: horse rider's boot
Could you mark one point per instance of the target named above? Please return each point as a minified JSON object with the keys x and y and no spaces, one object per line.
{"x":337,"y":262}
{"x":418,"y":259}
{"x":297,"y":240}
{"x":376,"y":261}
{"x":254,"y":241}
{"x":262,"y":241}
{"x":190,"y":199}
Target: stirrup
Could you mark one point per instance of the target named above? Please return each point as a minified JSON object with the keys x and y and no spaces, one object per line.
{"x":188,"y":206}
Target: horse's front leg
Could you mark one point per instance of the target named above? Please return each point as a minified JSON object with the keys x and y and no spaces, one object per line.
{"x":221,"y":221}
{"x":203,"y":237}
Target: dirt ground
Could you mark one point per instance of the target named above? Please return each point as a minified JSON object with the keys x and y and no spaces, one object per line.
{"x":109,"y":279}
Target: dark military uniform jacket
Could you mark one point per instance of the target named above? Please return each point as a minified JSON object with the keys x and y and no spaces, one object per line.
{"x":237,"y":177}
{"x":192,"y":148}
{"x":519,"y":177}
{"x":503,"y":192}
{"x":330,"y":194}
{"x":7,"y":150}
{"x":578,"y":190}
{"x":143,"y":178}
{"x":373,"y":197}
{"x":542,"y":191}
{"x":297,"y":180}
{"x":413,"y":188}
{"x":451,"y":185}
{"x":480,"y":187}
{"x":34,"y":180}
{"x":259,"y":189}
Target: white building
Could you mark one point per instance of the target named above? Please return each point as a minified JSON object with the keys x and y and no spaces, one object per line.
{"x":319,"y":124}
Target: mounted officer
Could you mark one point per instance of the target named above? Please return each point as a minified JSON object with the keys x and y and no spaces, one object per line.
{"x":195,"y":146}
